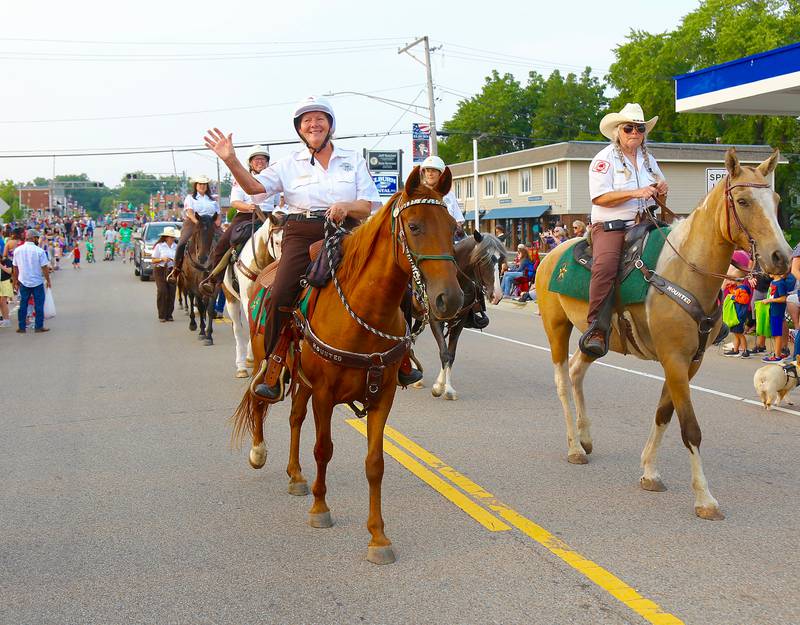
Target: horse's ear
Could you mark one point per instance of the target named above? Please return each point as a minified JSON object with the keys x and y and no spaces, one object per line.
{"x":478,"y":236}
{"x":732,"y":163}
{"x":412,"y":182}
{"x":768,"y":166}
{"x":445,"y":182}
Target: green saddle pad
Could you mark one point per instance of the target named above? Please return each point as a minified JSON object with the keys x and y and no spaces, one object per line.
{"x":257,"y":322}
{"x":572,"y":279}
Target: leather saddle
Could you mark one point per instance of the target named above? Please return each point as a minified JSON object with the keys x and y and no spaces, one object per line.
{"x":267,"y":275}
{"x":635,"y":240}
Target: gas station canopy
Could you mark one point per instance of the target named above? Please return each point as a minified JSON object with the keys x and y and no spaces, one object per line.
{"x":761,"y":84}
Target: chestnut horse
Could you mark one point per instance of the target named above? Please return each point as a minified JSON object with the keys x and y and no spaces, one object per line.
{"x":412,"y":233}
{"x":740,"y":212}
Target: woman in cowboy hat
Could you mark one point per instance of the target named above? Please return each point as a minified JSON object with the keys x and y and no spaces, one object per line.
{"x":318,"y":181}
{"x":198,"y":203}
{"x":163,"y":258}
{"x":623,"y":180}
{"x":245,"y":205}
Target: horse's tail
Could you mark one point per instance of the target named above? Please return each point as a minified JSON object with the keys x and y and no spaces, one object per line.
{"x":244,"y":419}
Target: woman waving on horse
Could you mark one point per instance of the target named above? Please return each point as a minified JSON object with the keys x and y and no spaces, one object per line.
{"x":623,"y":180}
{"x":319,"y":182}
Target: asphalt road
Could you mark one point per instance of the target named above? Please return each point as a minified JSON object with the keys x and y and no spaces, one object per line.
{"x":122,"y":502}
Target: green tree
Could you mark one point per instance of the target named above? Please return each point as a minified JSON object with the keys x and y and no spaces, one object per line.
{"x":9,"y":193}
{"x":569,"y":108}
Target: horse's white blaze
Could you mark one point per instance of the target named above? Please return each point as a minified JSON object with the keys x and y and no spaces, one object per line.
{"x":766,"y":201}
{"x":497,"y":293}
{"x":702,"y":496}
{"x":650,"y":451}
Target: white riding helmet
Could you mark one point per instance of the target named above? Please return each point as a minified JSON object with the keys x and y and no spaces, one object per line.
{"x":433,"y":162}
{"x":314,"y":103}
{"x":258,"y":150}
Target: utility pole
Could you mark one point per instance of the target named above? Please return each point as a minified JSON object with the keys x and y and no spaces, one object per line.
{"x":431,"y":105}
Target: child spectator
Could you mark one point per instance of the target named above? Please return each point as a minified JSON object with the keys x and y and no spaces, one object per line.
{"x":741,"y":293}
{"x":781,"y":286}
{"x":76,"y":256}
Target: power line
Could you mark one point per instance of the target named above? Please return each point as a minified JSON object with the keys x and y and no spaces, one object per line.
{"x":205,"y":44}
{"x":173,"y":114}
{"x":528,"y":60}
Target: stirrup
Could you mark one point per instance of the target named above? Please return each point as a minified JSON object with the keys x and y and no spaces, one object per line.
{"x":207,"y":287}
{"x":173,"y":275}
{"x":594,"y":349}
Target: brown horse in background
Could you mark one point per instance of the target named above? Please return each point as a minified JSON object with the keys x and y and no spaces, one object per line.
{"x":194,"y":270}
{"x":740,"y":212}
{"x":413,"y":227}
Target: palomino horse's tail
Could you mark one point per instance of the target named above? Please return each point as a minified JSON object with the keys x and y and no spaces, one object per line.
{"x":244,"y":419}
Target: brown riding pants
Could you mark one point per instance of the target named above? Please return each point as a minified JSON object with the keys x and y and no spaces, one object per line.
{"x":225,"y":240}
{"x":165,"y":293}
{"x":298,"y":235}
{"x":606,"y":253}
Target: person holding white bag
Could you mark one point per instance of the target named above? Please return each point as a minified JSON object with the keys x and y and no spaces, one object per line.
{"x":31,"y":274}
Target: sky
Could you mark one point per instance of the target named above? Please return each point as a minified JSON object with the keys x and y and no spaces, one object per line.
{"x":104,"y":76}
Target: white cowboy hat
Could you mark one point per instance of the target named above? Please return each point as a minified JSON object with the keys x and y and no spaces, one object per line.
{"x":258,"y":150}
{"x":171,"y":231}
{"x":202,"y":179}
{"x":631,"y":113}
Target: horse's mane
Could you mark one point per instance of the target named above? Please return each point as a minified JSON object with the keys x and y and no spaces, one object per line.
{"x":358,"y":247}
{"x":486,"y":249}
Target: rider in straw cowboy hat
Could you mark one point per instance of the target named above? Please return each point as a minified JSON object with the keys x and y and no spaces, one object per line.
{"x":623,"y":180}
{"x":198,"y":202}
{"x":319,"y":181}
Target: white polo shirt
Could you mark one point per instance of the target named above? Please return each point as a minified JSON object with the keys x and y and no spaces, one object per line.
{"x":308,"y":187}
{"x":268,"y":204}
{"x":203,"y":205}
{"x":162,"y":250}
{"x":452,"y":207}
{"x":606,"y":174}
{"x":29,"y":259}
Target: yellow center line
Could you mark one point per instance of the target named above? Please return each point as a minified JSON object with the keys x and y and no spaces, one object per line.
{"x":603,"y":578}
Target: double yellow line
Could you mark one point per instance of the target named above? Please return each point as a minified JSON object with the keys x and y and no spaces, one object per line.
{"x":496,"y":516}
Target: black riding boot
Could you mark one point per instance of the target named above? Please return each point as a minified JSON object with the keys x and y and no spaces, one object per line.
{"x":594,"y":342}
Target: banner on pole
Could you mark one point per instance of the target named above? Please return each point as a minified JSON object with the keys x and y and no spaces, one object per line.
{"x":420,"y":142}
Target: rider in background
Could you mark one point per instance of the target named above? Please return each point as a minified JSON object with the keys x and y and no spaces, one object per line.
{"x":258,"y":161}
{"x":432,"y":169}
{"x":318,"y":181}
{"x":623,"y":180}
{"x":198,"y":202}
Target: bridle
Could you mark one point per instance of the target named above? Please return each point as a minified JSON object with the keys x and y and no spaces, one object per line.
{"x":401,"y":241}
{"x":730,"y":209}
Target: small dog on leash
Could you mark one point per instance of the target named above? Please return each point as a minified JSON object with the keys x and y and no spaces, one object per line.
{"x":773,"y":383}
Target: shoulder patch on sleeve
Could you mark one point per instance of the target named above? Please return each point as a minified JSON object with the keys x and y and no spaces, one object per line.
{"x":601,"y":166}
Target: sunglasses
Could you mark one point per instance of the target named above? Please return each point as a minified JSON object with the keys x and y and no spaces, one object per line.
{"x":629,"y":128}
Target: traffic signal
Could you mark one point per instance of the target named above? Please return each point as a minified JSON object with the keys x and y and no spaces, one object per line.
{"x":131,"y":176}
{"x":98,"y":185}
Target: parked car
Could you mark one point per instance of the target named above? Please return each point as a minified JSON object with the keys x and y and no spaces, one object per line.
{"x":143,"y":242}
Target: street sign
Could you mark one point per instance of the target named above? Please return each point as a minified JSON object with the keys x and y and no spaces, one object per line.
{"x":3,"y":206}
{"x":378,"y":160}
{"x":713,"y":176}
{"x":386,"y":183}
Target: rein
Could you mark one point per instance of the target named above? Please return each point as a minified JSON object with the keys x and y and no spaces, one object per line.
{"x":730,"y":208}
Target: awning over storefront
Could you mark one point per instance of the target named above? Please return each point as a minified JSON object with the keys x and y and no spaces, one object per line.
{"x":761,"y":84}
{"x":518,"y":212}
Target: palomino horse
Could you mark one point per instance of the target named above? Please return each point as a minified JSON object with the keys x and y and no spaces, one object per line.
{"x":260,"y":250}
{"x":740,"y":212}
{"x":411,"y":234}
{"x":478,"y":258}
{"x":193,"y":271}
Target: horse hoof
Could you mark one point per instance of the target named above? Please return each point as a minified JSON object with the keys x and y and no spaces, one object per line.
{"x":451,"y":395}
{"x":320,"y":519}
{"x":258,"y":456}
{"x":299,"y":489}
{"x":654,"y":485}
{"x":208,"y":342}
{"x":577,"y":459}
{"x":249,"y":362}
{"x":587,"y":447}
{"x":420,"y":384}
{"x":709,"y":513}
{"x":201,"y":336}
{"x":437,"y":390}
{"x":380,"y":555}
{"x":192,"y":327}
{"x":242,"y":373}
